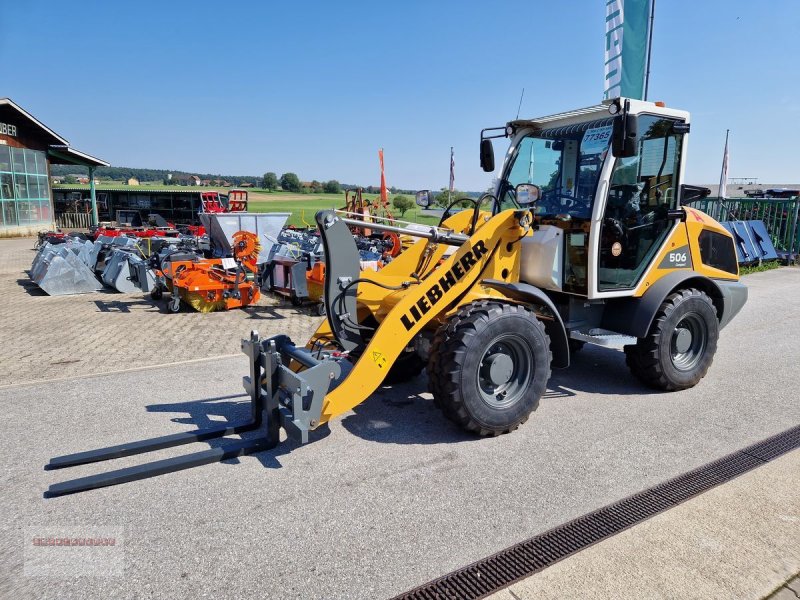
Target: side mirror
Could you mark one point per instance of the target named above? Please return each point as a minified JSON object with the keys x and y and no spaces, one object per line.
{"x":624,"y":137}
{"x":487,"y":156}
{"x":423,"y":198}
{"x":691,"y":193}
{"x":527,"y":194}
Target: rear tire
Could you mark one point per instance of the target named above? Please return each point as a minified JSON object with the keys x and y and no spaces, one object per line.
{"x":489,"y":367}
{"x":680,"y":346}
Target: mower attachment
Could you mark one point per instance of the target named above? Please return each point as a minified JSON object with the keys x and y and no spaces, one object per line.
{"x":279,"y":397}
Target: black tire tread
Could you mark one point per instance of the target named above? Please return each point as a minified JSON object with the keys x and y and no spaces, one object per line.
{"x":447,"y":354}
{"x":643,"y":358}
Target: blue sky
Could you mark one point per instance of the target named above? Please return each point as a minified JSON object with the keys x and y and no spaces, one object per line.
{"x":317,"y":87}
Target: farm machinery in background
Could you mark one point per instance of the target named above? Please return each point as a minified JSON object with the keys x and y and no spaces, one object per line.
{"x":210,"y":284}
{"x":362,"y":209}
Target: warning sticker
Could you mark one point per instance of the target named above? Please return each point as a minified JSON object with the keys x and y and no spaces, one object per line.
{"x":379,"y":359}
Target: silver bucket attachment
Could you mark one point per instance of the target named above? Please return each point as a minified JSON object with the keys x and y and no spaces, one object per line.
{"x":59,"y":271}
{"x":117,"y":273}
{"x":222,"y":226}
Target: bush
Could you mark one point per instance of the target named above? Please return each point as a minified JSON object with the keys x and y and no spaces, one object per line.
{"x":402,"y":203}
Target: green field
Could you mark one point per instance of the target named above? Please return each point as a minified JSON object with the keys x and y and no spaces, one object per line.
{"x":304,"y":206}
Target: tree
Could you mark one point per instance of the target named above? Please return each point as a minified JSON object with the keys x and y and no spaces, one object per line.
{"x":291,"y":182}
{"x":402,"y":203}
{"x":333,"y":187}
{"x":442,"y":198}
{"x":69,"y":180}
{"x":270,"y":181}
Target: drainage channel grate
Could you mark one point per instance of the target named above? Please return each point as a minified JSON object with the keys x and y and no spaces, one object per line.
{"x":491,"y":574}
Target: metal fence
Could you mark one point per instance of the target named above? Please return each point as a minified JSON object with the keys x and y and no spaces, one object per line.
{"x":74,"y":220}
{"x":780,"y":215}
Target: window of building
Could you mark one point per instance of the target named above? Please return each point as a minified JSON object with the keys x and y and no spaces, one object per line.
{"x":24,"y":187}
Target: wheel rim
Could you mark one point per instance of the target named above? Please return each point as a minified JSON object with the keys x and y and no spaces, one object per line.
{"x":505,"y":370}
{"x":689,"y":341}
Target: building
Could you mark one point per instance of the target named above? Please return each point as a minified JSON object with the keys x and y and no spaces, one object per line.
{"x":179,"y":206}
{"x":27,"y":149}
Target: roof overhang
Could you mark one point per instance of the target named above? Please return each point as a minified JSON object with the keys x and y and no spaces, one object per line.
{"x":64,"y":155}
{"x":59,"y":150}
{"x":41,"y":126}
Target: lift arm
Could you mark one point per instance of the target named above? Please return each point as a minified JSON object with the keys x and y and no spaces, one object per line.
{"x":488,"y":254}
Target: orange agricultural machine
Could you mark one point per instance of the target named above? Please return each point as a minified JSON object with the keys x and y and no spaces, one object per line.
{"x":213,"y":284}
{"x":361,"y":209}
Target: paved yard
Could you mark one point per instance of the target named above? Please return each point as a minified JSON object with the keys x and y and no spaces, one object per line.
{"x":48,"y":337}
{"x":392,"y":495}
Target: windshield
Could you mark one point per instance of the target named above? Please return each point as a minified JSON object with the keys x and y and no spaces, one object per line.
{"x":565,"y":163}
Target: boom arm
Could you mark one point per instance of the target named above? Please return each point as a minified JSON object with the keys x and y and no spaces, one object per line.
{"x":488,"y":254}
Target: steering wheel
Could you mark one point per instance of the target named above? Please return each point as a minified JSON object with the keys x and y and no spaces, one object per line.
{"x":617,"y":229}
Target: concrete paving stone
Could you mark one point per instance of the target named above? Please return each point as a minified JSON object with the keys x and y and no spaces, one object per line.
{"x":52,"y":337}
{"x":794,"y":585}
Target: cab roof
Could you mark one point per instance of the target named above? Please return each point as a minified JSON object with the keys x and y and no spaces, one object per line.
{"x":598,"y":111}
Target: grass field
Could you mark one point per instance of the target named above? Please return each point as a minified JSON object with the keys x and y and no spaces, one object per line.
{"x":304,"y":206}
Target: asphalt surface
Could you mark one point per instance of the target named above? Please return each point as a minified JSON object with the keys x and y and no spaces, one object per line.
{"x":393,"y":495}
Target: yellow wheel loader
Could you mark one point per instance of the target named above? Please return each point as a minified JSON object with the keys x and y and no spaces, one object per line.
{"x":584,"y":240}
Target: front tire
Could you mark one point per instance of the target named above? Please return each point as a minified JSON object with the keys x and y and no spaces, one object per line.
{"x":489,"y":367}
{"x":681,"y":344}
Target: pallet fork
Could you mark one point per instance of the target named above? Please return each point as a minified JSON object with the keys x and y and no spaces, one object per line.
{"x":287,"y":406}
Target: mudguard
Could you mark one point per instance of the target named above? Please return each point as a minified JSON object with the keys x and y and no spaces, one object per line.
{"x":530,"y":294}
{"x":634,"y":316}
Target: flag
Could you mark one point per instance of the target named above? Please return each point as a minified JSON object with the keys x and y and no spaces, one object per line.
{"x":384,"y":194}
{"x":627,"y":32}
{"x":452,"y":170}
{"x":723,"y":176}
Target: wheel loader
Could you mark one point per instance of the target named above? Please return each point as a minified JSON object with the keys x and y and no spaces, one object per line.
{"x":584,"y":240}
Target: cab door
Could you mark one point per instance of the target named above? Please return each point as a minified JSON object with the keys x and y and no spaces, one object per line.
{"x":642,"y":190}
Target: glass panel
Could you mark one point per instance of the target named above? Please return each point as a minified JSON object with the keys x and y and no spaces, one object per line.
{"x":5,"y":158}
{"x":18,"y":157}
{"x":21,"y":185}
{"x":30,"y":161}
{"x":6,"y":186}
{"x":44,"y":187}
{"x":565,"y":163}
{"x":45,"y":211}
{"x":26,"y":211}
{"x":33,"y":186}
{"x":9,"y":213}
{"x":41,"y":163}
{"x":642,"y":190}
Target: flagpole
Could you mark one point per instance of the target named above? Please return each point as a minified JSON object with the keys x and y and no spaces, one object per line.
{"x":649,"y":47}
{"x":450,"y":185}
{"x":723,"y":176}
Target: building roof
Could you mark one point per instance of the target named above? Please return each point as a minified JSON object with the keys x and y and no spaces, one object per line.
{"x":76,"y":157}
{"x":143,"y":189}
{"x":60,"y":150}
{"x":44,"y":128}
